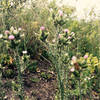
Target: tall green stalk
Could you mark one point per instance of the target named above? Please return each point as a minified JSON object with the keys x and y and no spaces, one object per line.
{"x":20,"y":82}
{"x":61,"y":85}
{"x":58,"y":64}
{"x":2,"y":92}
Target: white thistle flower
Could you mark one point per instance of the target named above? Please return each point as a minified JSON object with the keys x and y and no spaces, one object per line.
{"x":12,"y":29}
{"x":22,"y":35}
{"x":15,"y":32}
{"x":1,"y":36}
{"x":19,"y":29}
{"x":24,"y":52}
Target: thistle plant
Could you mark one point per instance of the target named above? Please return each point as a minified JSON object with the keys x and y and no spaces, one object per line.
{"x":75,"y":77}
{"x":20,"y":80}
{"x":14,"y":39}
{"x":2,"y":92}
{"x":58,"y":50}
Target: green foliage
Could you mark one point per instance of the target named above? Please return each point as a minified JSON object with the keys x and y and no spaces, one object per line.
{"x":61,"y":37}
{"x":33,"y":66}
{"x":35,"y":80}
{"x":83,"y":74}
{"x":46,"y":75}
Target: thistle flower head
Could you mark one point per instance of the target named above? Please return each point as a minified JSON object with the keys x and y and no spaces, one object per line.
{"x":72,"y":69}
{"x":66,"y":31}
{"x":86,"y":56}
{"x":69,"y":37}
{"x":60,"y":13}
{"x":42,"y":28}
{"x":59,"y":36}
{"x":11,"y":37}
{"x":7,"y":32}
{"x":74,"y":59}
{"x":24,"y":52}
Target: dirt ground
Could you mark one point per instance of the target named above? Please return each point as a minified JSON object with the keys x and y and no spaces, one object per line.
{"x":37,"y":89}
